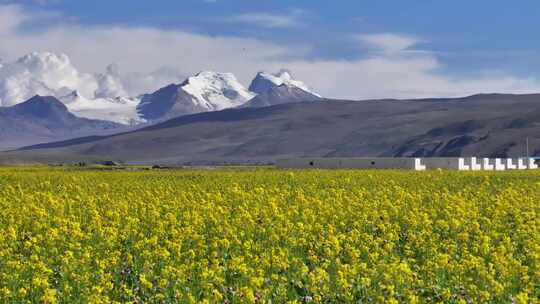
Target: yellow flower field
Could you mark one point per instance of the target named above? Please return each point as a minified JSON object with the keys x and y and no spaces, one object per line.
{"x":268,"y":236}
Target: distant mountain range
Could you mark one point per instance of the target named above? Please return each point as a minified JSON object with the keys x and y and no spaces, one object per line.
{"x":263,"y":82}
{"x":103,"y":97}
{"x":90,"y":96}
{"x":44,"y":119}
{"x":281,"y":94}
{"x":211,"y":91}
{"x":490,"y":125}
{"x":211,"y":117}
{"x":204,"y":92}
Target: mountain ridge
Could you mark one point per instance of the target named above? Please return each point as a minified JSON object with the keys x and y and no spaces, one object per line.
{"x":206,"y":91}
{"x":104,"y":95}
{"x":43,"y":119}
{"x":479,"y":126}
{"x":264,"y":81}
{"x":281,"y":94}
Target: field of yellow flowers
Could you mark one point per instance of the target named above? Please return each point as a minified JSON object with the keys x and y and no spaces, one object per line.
{"x":268,"y":236}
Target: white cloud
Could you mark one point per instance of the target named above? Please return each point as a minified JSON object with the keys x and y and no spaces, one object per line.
{"x":389,"y":42}
{"x":267,"y":20}
{"x":392,"y":71}
{"x":44,"y":74}
{"x":147,"y":56}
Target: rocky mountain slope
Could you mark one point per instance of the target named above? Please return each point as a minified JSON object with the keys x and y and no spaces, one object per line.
{"x":204,"y":92}
{"x":104,"y":96}
{"x":44,"y":119}
{"x":281,"y":94}
{"x":264,"y":81}
{"x":211,"y":91}
{"x":481,"y":125}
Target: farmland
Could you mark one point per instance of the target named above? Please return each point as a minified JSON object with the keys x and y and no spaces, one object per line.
{"x":268,"y":236}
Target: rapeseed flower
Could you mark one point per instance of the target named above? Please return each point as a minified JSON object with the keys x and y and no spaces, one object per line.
{"x":269,"y":236}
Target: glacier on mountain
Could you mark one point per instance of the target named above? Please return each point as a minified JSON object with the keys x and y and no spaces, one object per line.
{"x":122,"y":110}
{"x":204,"y":92}
{"x":99,"y":96}
{"x":264,"y":81}
{"x":216,"y":91}
{"x":105,"y":96}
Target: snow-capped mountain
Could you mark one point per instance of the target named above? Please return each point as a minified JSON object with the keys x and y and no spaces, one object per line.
{"x":206,"y":91}
{"x":264,"y":81}
{"x":105,"y":96}
{"x":100,"y":96}
{"x":284,"y":93}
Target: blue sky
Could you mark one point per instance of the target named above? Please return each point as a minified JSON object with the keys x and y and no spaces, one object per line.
{"x":492,"y":44}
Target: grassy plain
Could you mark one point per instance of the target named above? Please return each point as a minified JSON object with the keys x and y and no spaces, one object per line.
{"x":268,"y":236}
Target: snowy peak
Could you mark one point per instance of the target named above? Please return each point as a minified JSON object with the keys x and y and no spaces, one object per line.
{"x":216,"y":91}
{"x":104,"y":96}
{"x":284,"y":93}
{"x":203,"y":92}
{"x":212,"y":91}
{"x":264,"y":81}
{"x":279,"y":88}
